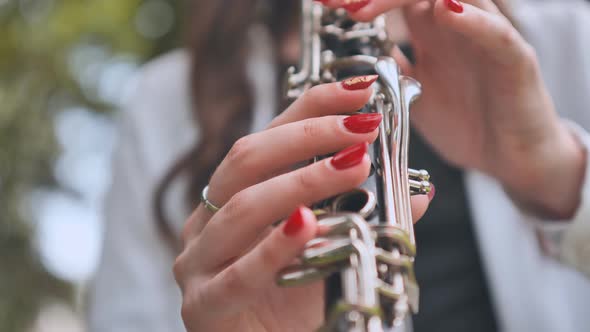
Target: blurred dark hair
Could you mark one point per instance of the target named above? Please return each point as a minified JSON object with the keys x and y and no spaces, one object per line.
{"x":222,"y":98}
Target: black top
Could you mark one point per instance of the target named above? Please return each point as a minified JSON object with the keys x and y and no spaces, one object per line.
{"x":454,"y":294}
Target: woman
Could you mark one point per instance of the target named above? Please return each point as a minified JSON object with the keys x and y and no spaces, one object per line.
{"x":486,"y":108}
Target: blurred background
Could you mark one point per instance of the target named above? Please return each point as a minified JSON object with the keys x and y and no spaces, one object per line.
{"x":66,"y":66}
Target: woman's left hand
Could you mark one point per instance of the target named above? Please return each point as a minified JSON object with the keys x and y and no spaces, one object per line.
{"x":484,"y":104}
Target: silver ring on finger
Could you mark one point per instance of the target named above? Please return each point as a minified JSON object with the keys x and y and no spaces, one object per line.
{"x":206,"y":202}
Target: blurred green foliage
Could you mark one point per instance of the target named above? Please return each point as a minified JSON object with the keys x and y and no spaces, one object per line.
{"x":37,"y":38}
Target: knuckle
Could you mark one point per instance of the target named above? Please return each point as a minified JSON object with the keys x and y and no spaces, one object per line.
{"x":305,"y":179}
{"x":524,"y":54}
{"x":236,"y":204}
{"x":529,"y":54}
{"x":182,"y":272}
{"x":526,"y":58}
{"x":312,"y":93}
{"x":186,"y":312}
{"x":241,"y":149}
{"x":235,"y":282}
{"x":178,"y":270}
{"x":508,"y":37}
{"x":270,"y":256}
{"x":313,"y":97}
{"x":312,"y":128}
{"x":190,"y":307}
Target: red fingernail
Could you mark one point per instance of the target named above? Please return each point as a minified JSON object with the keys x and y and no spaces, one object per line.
{"x":432,"y":192}
{"x":454,"y":5}
{"x":359,"y":82}
{"x":363,"y":123}
{"x":354,"y":5}
{"x":295,"y":222}
{"x":322,"y":1}
{"x":350,"y":156}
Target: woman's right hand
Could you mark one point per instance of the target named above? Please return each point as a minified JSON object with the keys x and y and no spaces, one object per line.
{"x":230,"y":260}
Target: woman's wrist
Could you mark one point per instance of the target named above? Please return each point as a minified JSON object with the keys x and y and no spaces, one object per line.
{"x":548,"y":184}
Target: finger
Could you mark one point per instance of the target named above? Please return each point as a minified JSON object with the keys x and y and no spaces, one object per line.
{"x":327,"y":99}
{"x":487,"y":5}
{"x":419,"y":206}
{"x":251,"y":210}
{"x":258,"y":157}
{"x":249,"y":163}
{"x":367,"y":10}
{"x":422,"y":27}
{"x":245,"y":280}
{"x":401,"y":59}
{"x":491,"y":31}
{"x":364,"y":10}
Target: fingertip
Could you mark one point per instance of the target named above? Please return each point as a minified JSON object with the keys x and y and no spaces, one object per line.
{"x":403,"y":61}
{"x":459,"y":15}
{"x":454,"y":6}
{"x":442,"y":13}
{"x":358,"y":97}
{"x":356,"y":90}
{"x":373,"y":136}
{"x":352,"y":176}
{"x":337,"y":99}
{"x":349,"y":159}
{"x":359,"y":82}
{"x":363,"y":15}
{"x":373,"y":8}
{"x":302,"y":224}
{"x":432,"y":192}
{"x":366,"y":165}
{"x":310,"y":221}
{"x":420,"y":204}
{"x":309,"y":218}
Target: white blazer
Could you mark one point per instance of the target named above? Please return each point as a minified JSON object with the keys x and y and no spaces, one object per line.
{"x":134,"y":289}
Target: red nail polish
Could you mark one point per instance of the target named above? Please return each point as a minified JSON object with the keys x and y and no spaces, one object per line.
{"x":322,"y":1}
{"x":432,"y":192}
{"x":454,"y":5}
{"x":350,"y":156}
{"x":354,"y":5}
{"x":295,"y":222}
{"x":363,"y":123}
{"x":359,"y":82}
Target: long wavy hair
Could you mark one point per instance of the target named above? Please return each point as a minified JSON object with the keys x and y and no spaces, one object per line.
{"x":222,"y":97}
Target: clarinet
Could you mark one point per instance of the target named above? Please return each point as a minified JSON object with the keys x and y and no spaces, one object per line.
{"x":366,"y":248}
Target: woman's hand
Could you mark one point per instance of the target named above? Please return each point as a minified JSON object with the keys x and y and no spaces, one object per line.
{"x":484,"y":104}
{"x":229,"y":265}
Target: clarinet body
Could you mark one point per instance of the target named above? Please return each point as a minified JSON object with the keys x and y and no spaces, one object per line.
{"x":366,"y":245}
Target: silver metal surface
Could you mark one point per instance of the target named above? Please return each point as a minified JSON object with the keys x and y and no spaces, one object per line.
{"x":366,"y":236}
{"x":208,"y":205}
